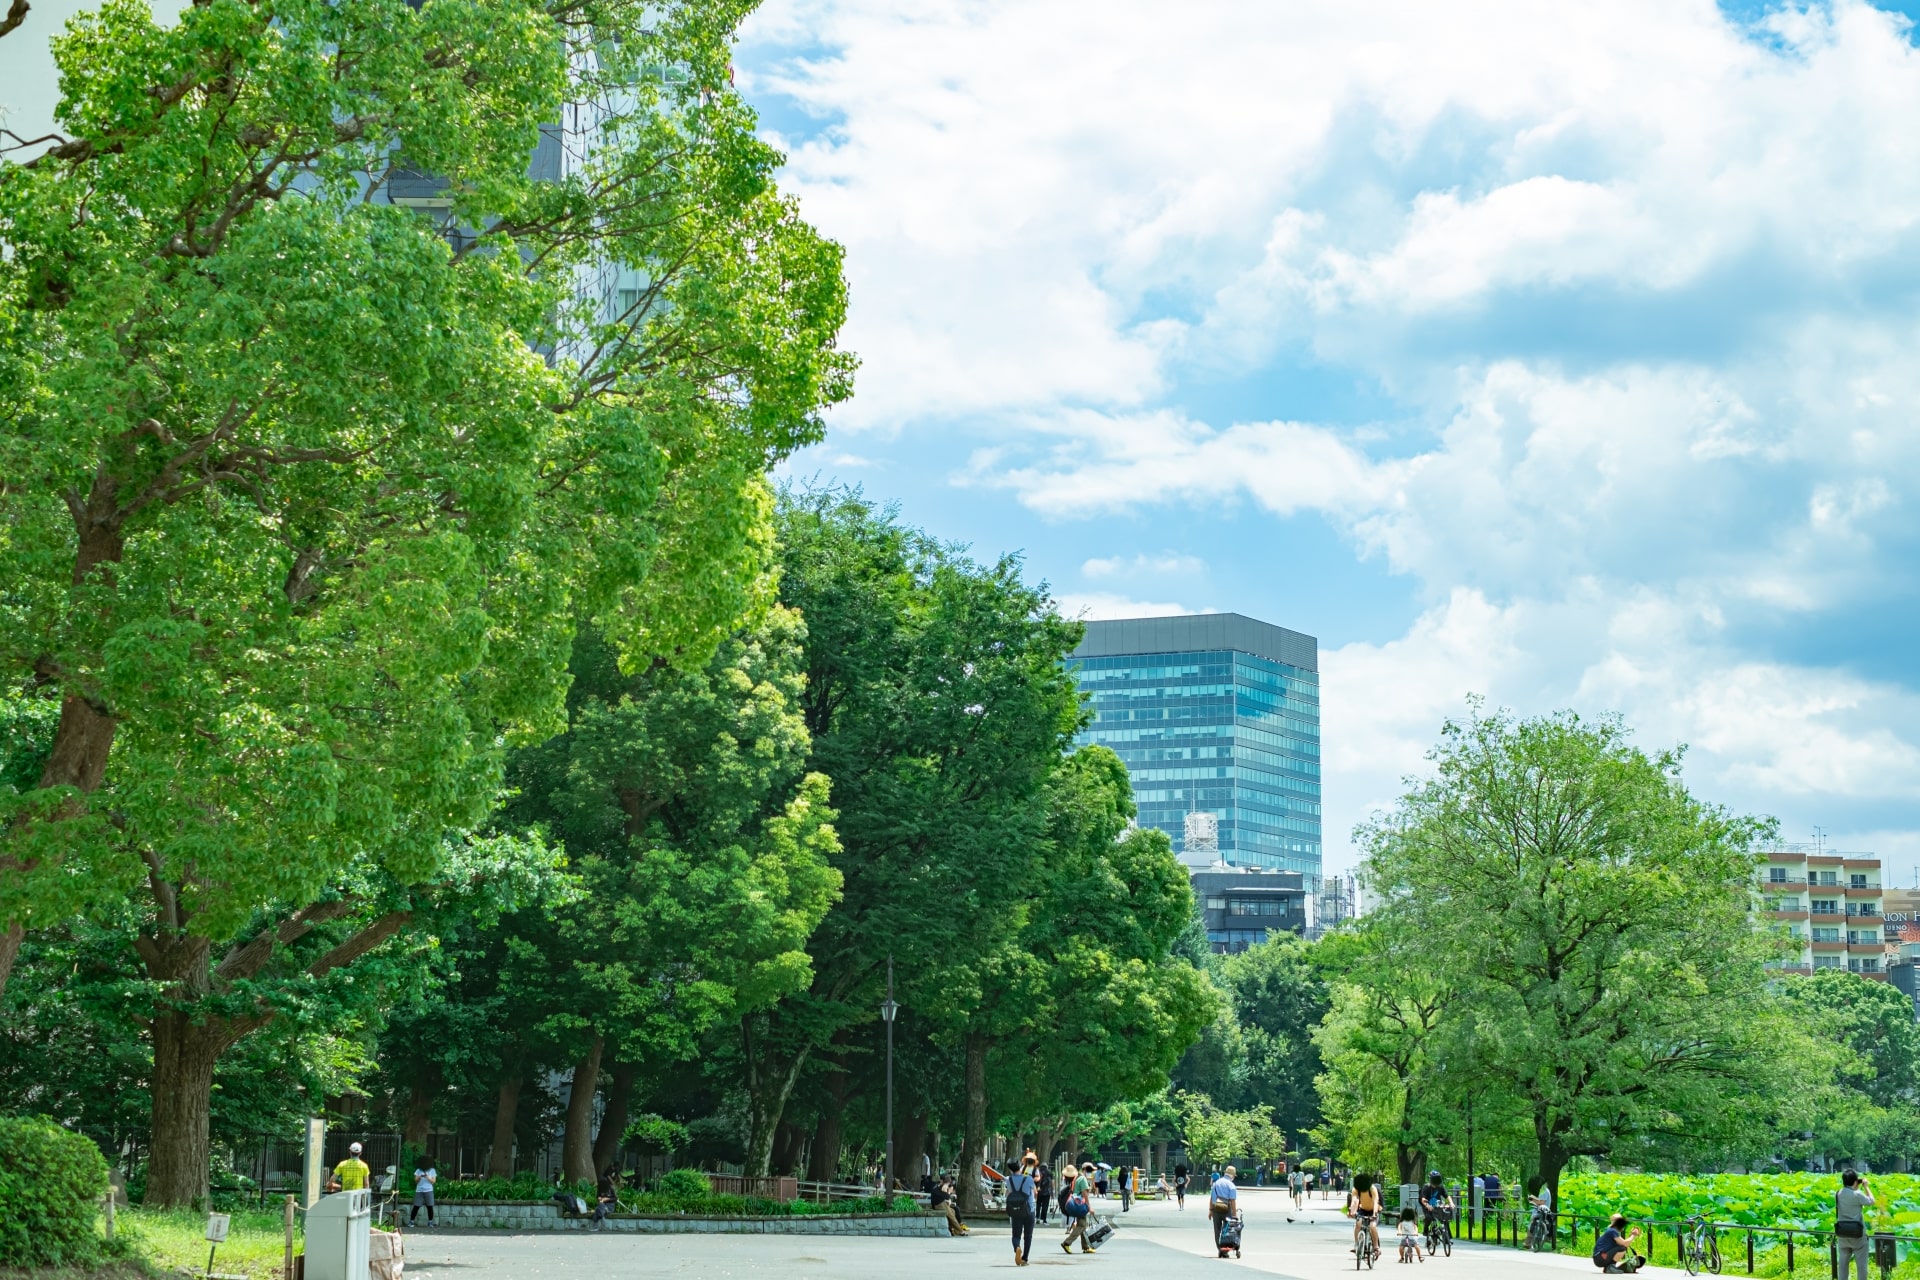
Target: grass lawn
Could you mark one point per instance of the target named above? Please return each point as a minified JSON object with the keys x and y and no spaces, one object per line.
{"x":174,"y":1240}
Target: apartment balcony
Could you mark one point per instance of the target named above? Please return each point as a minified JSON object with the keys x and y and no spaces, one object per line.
{"x":1866,"y":891}
{"x":1796,"y":916}
{"x":1823,"y":947}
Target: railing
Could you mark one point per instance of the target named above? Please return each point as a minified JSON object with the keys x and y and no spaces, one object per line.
{"x":781,"y":1189}
{"x":1510,"y":1226}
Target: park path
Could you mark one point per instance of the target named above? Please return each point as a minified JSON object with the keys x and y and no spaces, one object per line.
{"x":1155,"y":1242}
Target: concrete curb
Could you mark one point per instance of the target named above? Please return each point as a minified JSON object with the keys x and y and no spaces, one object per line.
{"x":510,"y":1215}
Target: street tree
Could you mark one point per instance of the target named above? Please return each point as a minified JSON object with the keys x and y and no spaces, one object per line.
{"x":703,"y":848}
{"x":305,"y":492}
{"x":1594,"y":918}
{"x":937,"y":700}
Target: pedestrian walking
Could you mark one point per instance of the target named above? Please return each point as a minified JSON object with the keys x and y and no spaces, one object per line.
{"x":1126,"y":1190}
{"x":1850,"y":1240}
{"x":1180,"y":1186}
{"x":1223,"y":1202}
{"x":1078,"y":1207}
{"x":1043,"y":1193}
{"x":424,"y":1176}
{"x":1023,"y":1205}
{"x":1297,"y":1185}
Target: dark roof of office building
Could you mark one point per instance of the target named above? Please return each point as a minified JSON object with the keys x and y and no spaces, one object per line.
{"x":1198,"y":631}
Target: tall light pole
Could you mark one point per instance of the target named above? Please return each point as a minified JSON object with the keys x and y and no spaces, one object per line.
{"x":888,"y":1008}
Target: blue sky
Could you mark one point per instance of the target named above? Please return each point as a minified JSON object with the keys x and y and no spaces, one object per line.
{"x":1558,"y":353}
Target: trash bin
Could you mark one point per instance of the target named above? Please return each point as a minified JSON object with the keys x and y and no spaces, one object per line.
{"x":337,"y":1236}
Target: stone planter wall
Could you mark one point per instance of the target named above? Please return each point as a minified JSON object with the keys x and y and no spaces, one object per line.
{"x":528,"y":1215}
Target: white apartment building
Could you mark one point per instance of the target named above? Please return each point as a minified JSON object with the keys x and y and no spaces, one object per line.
{"x":1830,"y":904}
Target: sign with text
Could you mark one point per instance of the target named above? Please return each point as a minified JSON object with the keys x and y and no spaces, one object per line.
{"x":217,"y":1227}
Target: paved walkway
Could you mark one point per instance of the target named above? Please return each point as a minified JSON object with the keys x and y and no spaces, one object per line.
{"x":1155,"y":1242}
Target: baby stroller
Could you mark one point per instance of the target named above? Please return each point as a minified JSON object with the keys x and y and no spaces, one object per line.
{"x":1229,"y":1241}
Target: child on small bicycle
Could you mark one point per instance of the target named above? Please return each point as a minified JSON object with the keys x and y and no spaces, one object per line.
{"x":1410,"y":1237}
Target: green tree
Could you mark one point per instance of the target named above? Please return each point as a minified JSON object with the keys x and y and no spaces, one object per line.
{"x":1278,"y":997}
{"x":1087,"y":1005}
{"x":1382,"y":1040}
{"x":305,"y":491}
{"x":1869,"y":1113}
{"x":1595,"y":919}
{"x":703,"y":849}
{"x":937,"y":700}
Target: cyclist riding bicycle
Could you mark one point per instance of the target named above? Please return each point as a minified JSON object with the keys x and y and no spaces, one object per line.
{"x":1435,"y":1203}
{"x":1363,"y":1206}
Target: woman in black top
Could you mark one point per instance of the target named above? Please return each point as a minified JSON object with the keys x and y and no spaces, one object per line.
{"x":1180,"y":1184}
{"x":1613,"y":1251}
{"x":1043,"y":1202}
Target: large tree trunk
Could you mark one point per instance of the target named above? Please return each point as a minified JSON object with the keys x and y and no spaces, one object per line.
{"x":419,"y":1122}
{"x":10,"y":939}
{"x":769,"y":1089}
{"x":184,"y":1053}
{"x":788,"y":1139}
{"x":973,"y":1147}
{"x":613,"y":1125}
{"x":824,"y":1165}
{"x":909,"y":1149}
{"x":183,"y":1058}
{"x":576,"y":1147}
{"x":505,"y":1112}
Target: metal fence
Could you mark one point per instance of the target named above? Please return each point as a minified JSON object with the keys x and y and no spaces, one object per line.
{"x":1502,"y":1226}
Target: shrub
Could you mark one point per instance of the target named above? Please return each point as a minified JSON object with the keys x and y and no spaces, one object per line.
{"x":684,"y":1184}
{"x":51,"y":1185}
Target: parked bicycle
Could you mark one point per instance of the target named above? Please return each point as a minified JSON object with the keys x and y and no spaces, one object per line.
{"x":1700,"y":1247}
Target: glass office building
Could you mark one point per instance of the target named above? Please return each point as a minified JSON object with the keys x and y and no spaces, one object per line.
{"x":1218,"y":713}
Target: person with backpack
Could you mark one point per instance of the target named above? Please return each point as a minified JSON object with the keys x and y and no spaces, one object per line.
{"x":1023,"y":1204}
{"x":1042,"y":1192}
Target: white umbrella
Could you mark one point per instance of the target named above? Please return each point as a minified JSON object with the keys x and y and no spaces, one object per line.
{"x":1103,"y":1165}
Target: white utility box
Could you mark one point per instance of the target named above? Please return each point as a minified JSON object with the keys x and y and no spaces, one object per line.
{"x":337,"y":1236}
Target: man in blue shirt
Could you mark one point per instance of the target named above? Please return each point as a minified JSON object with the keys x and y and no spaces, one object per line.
{"x":1223,"y":1201}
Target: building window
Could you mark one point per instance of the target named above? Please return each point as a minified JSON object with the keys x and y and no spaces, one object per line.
{"x":1257,"y":907}
{"x":1776,"y":875}
{"x":1826,"y":962}
{"x":1870,"y":964}
{"x":1858,"y":880}
{"x":1826,"y":906}
{"x":1830,"y":878}
{"x":1826,"y":933}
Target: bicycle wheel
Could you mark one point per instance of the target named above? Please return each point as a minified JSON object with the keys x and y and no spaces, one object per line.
{"x":1713,"y":1254}
{"x":1690,"y":1256}
{"x":1446,"y":1239}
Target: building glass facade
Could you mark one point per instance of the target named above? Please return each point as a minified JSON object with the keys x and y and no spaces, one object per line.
{"x":1214,"y":712}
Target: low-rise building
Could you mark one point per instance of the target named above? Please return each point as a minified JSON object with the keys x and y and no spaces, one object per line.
{"x":1243,"y":905}
{"x":1830,"y":903}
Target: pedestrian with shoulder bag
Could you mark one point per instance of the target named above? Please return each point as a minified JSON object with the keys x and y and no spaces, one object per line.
{"x":1850,"y":1205}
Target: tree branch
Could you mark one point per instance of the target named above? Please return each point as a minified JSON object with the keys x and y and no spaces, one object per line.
{"x":360,"y":943}
{"x":247,"y":959}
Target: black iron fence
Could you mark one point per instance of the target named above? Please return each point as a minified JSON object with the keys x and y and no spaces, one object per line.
{"x":1512,"y":1227}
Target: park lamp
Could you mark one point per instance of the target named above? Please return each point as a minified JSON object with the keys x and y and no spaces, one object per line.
{"x":888,"y":1008}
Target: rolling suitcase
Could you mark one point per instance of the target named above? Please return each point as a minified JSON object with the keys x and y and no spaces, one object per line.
{"x":1229,"y":1240}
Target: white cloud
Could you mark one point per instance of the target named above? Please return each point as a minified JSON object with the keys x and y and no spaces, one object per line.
{"x":1631,"y":287}
{"x":1164,"y":562}
{"x":1098,"y":606}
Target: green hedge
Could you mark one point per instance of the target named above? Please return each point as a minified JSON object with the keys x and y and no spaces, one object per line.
{"x":680,"y":1191}
{"x":51,"y":1186}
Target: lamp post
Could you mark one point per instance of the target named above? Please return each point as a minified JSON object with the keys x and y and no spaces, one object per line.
{"x":888,"y":1008}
